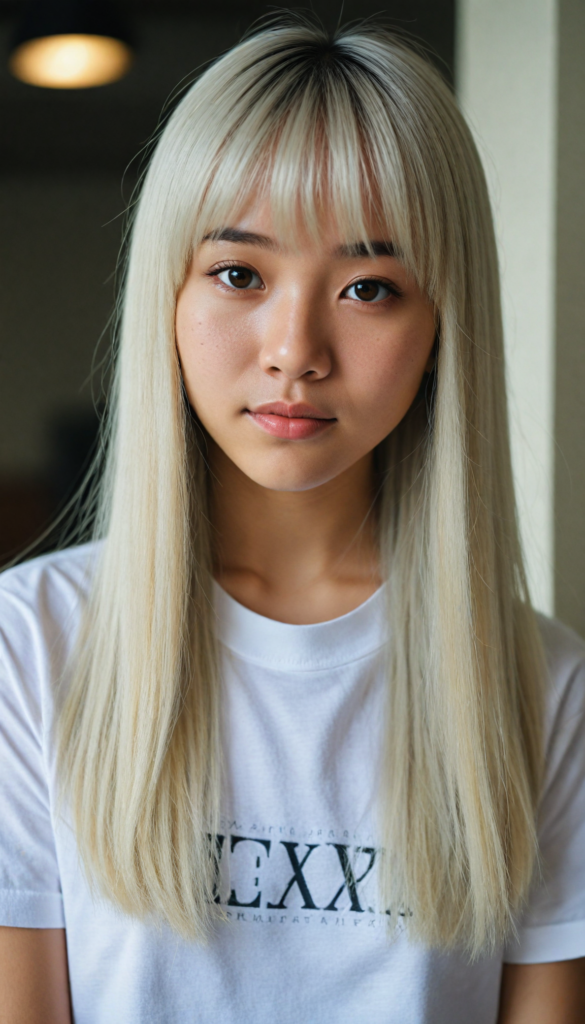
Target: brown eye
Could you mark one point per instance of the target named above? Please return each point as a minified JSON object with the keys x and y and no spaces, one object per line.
{"x":368,"y":291}
{"x":239,"y":277}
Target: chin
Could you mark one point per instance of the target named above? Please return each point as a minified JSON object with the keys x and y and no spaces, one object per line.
{"x":289,"y":478}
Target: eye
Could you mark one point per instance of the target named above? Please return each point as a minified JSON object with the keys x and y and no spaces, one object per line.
{"x":368,"y":290}
{"x":241,"y":278}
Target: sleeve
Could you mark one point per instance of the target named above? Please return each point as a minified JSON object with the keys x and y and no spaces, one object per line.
{"x":30,"y":894}
{"x":553,"y":924}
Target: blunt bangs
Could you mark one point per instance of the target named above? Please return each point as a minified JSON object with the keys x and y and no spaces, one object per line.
{"x":322,"y":131}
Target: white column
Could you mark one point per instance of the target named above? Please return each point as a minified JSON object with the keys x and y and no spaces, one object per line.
{"x":506,"y":75}
{"x":521,"y":82}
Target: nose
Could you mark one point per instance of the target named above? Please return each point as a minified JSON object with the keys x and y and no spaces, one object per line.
{"x":295,"y":342}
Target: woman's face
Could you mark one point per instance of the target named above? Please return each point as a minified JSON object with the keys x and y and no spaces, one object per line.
{"x":299,"y":364}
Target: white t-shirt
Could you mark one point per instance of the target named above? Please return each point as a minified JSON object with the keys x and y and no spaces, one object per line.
{"x":306,"y":940}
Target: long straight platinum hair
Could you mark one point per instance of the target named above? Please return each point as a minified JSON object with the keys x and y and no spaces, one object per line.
{"x":360,"y":128}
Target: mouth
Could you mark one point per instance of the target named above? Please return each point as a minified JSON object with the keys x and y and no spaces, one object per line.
{"x":293,"y":422}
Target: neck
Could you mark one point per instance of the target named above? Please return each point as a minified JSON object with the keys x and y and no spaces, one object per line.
{"x":302,"y":556}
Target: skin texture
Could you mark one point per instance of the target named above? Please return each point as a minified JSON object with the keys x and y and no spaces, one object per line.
{"x":34,"y":983}
{"x":543,"y":993}
{"x":294,"y":529}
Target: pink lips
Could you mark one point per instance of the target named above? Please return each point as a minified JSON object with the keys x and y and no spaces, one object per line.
{"x":294,"y":422}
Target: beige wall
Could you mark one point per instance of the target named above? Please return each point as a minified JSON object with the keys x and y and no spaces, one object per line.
{"x":521,"y":81}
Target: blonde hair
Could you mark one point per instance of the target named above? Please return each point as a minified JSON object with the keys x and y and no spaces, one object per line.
{"x":365,"y":128}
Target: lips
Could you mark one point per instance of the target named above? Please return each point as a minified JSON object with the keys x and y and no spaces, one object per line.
{"x":293,"y":422}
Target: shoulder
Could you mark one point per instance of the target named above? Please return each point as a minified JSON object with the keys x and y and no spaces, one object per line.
{"x":564,"y":710}
{"x":565,"y":664}
{"x":41,"y":602}
{"x":59,"y":571}
{"x":564,"y":649}
{"x":48,"y":586}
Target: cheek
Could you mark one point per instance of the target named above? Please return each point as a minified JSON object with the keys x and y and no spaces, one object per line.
{"x":211,"y":352}
{"x":386,"y":377}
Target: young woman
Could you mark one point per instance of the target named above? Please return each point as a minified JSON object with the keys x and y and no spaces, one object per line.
{"x":287,"y":742}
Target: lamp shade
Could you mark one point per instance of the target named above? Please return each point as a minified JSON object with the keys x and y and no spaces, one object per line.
{"x":70,"y":44}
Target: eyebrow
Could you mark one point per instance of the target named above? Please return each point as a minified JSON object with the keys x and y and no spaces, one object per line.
{"x":356,"y":250}
{"x":365,"y":250}
{"x":243,"y":237}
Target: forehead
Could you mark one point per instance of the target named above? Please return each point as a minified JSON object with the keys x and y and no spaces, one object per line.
{"x":255,"y":224}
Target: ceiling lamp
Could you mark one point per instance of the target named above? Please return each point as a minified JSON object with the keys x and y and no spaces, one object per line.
{"x":70,"y":44}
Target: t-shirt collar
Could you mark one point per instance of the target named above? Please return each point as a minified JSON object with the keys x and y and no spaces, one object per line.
{"x":316,"y":647}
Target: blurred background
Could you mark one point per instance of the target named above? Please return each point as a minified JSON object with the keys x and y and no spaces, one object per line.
{"x":69,"y":158}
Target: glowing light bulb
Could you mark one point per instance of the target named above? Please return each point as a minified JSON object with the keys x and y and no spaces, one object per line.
{"x":71,"y":61}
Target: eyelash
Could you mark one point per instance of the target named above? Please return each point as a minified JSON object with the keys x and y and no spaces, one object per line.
{"x":395,"y":291}
{"x":229,"y":266}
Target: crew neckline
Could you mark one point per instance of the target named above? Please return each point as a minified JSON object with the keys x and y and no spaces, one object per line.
{"x":312,"y":647}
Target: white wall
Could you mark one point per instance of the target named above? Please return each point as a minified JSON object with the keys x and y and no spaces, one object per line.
{"x":521,"y":81}
{"x":506,"y":79}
